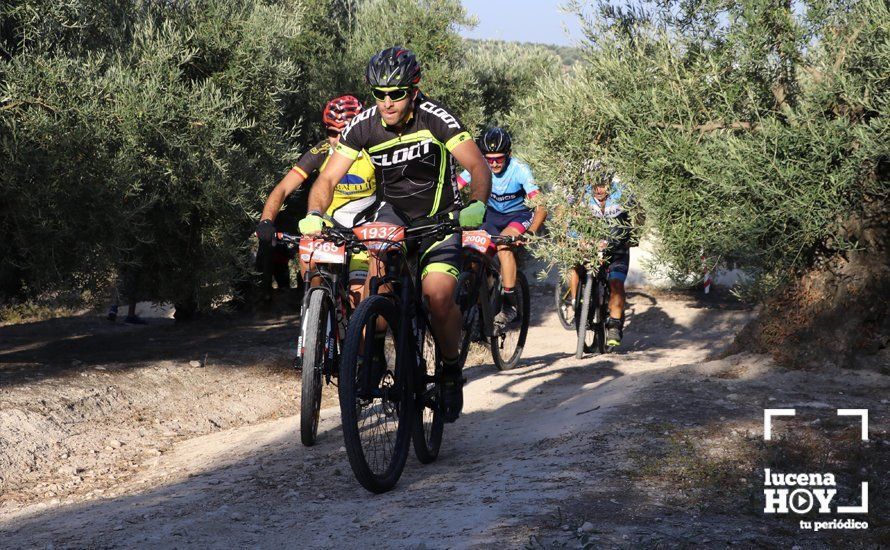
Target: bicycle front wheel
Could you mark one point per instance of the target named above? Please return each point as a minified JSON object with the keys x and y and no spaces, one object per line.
{"x":508,"y":341}
{"x":318,"y":336}
{"x":465,"y":297}
{"x":376,"y":395}
{"x":582,"y":318}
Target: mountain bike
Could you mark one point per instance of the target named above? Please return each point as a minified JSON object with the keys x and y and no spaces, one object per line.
{"x":479,"y":296}
{"x":390,"y":368}
{"x":323,"y":316}
{"x":593,"y":309}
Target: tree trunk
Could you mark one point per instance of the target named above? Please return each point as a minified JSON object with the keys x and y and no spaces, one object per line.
{"x":836,"y":313}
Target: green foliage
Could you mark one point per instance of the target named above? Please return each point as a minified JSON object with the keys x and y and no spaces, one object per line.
{"x":505,"y":72}
{"x":746,"y":130}
{"x":151,"y":152}
{"x":429,"y":28}
{"x":71,"y":25}
{"x":568,"y":55}
{"x":142,"y":135}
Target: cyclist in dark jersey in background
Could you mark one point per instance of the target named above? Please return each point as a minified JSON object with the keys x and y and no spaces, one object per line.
{"x":512,"y":183}
{"x":411,"y":139}
{"x":353,"y":194}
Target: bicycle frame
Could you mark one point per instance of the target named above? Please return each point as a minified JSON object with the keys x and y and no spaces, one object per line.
{"x":594,"y":296}
{"x":333,"y":281}
{"x":599,"y":276}
{"x":403,"y":281}
{"x":483,"y":265}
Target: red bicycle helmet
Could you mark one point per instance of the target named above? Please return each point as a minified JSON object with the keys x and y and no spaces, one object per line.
{"x":339,"y":111}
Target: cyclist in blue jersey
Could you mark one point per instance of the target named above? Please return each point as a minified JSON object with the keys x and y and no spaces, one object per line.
{"x":507,"y":214}
{"x":610,"y":200}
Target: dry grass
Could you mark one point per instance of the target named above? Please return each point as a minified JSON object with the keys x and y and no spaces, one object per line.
{"x":31,"y":312}
{"x":720,"y":469}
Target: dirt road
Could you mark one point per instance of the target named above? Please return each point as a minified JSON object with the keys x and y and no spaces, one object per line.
{"x":559,"y":452}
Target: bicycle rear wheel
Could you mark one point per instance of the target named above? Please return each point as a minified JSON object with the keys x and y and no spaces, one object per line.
{"x":565,"y":304}
{"x":318,"y":336}
{"x":428,"y":422}
{"x":508,"y":341}
{"x":376,"y":396}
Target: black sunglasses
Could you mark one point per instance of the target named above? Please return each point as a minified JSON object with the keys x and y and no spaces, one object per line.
{"x":397,"y":94}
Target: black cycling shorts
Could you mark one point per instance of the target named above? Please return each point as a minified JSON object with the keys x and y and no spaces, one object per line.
{"x":619,"y":263}
{"x":495,"y":221}
{"x":442,"y":256}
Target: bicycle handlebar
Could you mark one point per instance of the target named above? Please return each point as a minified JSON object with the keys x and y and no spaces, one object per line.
{"x":345,"y":236}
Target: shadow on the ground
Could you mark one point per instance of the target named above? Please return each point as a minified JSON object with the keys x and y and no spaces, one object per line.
{"x":284,"y":492}
{"x":280,"y":482}
{"x":64,"y":346}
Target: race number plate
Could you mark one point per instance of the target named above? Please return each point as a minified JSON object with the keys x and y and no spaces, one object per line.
{"x":477,"y":240}
{"x":321,"y":251}
{"x":378,"y":235}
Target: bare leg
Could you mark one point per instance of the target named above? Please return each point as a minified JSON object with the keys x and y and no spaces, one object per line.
{"x":616,"y":299}
{"x":574,"y":282}
{"x":508,"y":259}
{"x":356,"y":292}
{"x":444,"y":313}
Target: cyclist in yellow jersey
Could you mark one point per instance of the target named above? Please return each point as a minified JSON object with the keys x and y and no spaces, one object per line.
{"x":353,"y":193}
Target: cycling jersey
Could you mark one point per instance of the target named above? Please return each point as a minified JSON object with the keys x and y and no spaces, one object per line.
{"x":354,"y":193}
{"x":616,"y":205}
{"x":413,"y":165}
{"x":614,"y":208}
{"x":509,"y":189}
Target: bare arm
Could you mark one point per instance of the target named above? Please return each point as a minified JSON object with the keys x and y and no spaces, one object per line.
{"x":538,"y":220}
{"x":288,"y":184}
{"x":323,"y":191}
{"x":468,"y":155}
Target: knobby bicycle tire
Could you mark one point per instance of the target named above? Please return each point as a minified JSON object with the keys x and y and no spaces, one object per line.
{"x":384,"y":473}
{"x":317,"y":331}
{"x":563,"y":296}
{"x":429,"y":425}
{"x":582,"y":317}
{"x":507,"y":362}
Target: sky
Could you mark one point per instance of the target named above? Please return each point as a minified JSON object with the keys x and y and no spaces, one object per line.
{"x":523,"y":21}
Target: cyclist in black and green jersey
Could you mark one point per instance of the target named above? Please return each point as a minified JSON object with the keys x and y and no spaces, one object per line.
{"x":411,"y":140}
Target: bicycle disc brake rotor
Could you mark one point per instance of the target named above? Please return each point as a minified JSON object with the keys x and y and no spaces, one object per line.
{"x":387,"y":386}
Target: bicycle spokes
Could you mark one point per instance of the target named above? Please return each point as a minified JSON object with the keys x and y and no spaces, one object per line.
{"x":377,"y":397}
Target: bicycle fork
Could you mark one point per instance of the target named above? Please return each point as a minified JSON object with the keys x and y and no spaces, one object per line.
{"x":484,"y":301}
